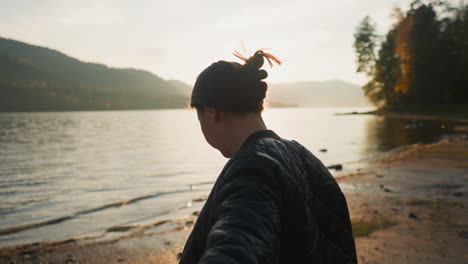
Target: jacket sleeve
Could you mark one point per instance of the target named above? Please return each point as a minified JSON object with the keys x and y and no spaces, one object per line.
{"x":247,"y":221}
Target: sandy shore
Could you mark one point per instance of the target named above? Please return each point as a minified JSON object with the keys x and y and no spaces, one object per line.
{"x":410,"y":208}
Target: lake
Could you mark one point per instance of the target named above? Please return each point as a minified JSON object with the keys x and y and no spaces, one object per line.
{"x":70,"y":175}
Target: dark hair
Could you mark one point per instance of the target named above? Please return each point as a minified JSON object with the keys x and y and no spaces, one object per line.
{"x":233,"y":87}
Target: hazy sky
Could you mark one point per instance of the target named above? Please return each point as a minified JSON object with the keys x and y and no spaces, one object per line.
{"x":178,"y":39}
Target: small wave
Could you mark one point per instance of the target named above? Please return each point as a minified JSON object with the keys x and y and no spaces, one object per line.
{"x":128,"y":227}
{"x":21,"y":228}
{"x":17,"y":229}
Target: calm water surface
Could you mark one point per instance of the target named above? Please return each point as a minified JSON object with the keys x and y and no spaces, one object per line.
{"x":77,"y":174}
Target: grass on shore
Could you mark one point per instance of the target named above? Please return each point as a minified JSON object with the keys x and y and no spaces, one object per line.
{"x":365,"y":227}
{"x":417,"y":201}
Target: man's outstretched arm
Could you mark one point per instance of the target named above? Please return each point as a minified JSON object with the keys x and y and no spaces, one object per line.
{"x":247,"y":223}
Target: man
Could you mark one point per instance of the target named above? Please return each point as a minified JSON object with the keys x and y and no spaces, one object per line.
{"x":274,"y":201}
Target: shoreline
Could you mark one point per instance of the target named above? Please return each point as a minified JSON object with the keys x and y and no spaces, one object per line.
{"x":407,"y":115}
{"x":406,"y":208}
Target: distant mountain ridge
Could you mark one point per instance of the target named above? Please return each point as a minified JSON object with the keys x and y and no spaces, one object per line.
{"x":332,"y":93}
{"x":34,"y":78}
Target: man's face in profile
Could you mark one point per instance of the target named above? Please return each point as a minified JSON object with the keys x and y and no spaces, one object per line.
{"x":206,"y":119}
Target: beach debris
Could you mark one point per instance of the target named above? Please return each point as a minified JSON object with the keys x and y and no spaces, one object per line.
{"x":161,"y":223}
{"x":463,"y":234}
{"x":413,"y":216}
{"x":63,"y":242}
{"x":119,"y":228}
{"x":387,"y":190}
{"x":336,"y":167}
{"x":70,"y":259}
{"x":196,"y":213}
{"x":189,"y":223}
{"x":323,"y":150}
{"x":189,"y":203}
{"x":381,"y":186}
{"x":120,"y":260}
{"x":200,"y":199}
{"x":379,"y":175}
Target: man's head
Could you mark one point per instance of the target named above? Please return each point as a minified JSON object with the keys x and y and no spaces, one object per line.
{"x":229,"y":98}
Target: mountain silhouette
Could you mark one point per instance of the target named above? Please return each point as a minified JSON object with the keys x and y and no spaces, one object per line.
{"x":34,"y":78}
{"x":332,"y":93}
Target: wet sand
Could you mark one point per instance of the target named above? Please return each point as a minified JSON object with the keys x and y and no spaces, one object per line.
{"x":409,"y":208}
{"x":161,"y":246}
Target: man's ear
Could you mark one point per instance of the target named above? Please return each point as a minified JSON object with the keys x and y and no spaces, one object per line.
{"x":214,"y":114}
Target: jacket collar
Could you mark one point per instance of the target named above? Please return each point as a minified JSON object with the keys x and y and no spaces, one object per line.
{"x":258,"y":135}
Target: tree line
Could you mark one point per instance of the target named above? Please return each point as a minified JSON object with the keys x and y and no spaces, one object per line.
{"x":422,"y":60}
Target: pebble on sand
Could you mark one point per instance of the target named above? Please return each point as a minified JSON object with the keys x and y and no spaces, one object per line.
{"x":336,"y":167}
{"x":413,"y":216}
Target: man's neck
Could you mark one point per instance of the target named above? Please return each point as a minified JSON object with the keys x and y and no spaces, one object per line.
{"x":238,"y":132}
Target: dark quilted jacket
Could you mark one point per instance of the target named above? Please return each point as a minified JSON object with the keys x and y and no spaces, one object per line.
{"x":274,"y":202}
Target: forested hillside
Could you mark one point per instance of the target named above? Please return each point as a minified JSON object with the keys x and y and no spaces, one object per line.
{"x":34,"y":78}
